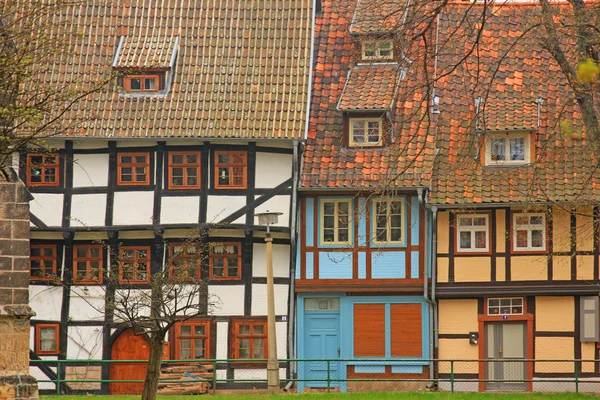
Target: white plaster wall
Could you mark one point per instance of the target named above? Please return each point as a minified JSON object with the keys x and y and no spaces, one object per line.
{"x":90,"y":170}
{"x":133,"y":208}
{"x":259,"y":299}
{"x":272,"y":169}
{"x":15,"y":162}
{"x":219,"y":207}
{"x":136,"y":143}
{"x":222,"y":335}
{"x":136,"y":297}
{"x":281,"y":260}
{"x":281,"y":328}
{"x":88,"y":143}
{"x":84,"y":342}
{"x":38,"y":374}
{"x":87,"y":307}
{"x":46,"y":301}
{"x":229,"y":298}
{"x":180,"y":210}
{"x":88,"y":209}
{"x":48,"y":207}
{"x":277,"y":204}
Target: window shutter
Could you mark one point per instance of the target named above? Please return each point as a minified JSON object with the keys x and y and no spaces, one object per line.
{"x":406,"y":335}
{"x":589,"y":319}
{"x":369,"y":330}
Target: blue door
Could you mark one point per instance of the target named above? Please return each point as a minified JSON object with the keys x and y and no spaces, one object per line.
{"x":322,"y":341}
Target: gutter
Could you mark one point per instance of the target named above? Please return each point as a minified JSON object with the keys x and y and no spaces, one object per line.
{"x":432,"y":306}
{"x":310,"y":67}
{"x":434,"y":210}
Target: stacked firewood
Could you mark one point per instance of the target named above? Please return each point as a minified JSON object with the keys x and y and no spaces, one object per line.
{"x":185,"y":372}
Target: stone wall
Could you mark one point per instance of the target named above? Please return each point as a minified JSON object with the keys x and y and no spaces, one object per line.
{"x":15,"y":381}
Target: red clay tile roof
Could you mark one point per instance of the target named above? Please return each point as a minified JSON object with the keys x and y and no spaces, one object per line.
{"x":145,"y":52}
{"x":403,"y":162}
{"x":242,"y":68}
{"x":510,"y":73}
{"x":377,"y":16}
{"x":370,"y":87}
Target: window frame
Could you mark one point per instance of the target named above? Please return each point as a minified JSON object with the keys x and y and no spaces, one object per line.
{"x":186,"y":258}
{"x":142,"y":77}
{"x":377,"y":44}
{"x":42,"y":167}
{"x":512,"y":306}
{"x":88,"y":259}
{"x":185,"y":166}
{"x":489,"y":137}
{"x":207,"y":324}
{"x":486,"y":229}
{"x":135,"y":261}
{"x":353,"y":143}
{"x":38,"y":339}
{"x":120,"y":165}
{"x":236,"y":336}
{"x":212,"y":255}
{"x":374,"y":227}
{"x":336,"y":227}
{"x":53,"y":258}
{"x":230,"y":165}
{"x":529,"y":228}
{"x":595,"y":312}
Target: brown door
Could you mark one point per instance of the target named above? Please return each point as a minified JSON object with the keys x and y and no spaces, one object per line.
{"x":128,"y":347}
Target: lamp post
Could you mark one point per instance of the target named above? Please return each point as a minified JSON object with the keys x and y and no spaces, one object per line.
{"x":270,"y":218}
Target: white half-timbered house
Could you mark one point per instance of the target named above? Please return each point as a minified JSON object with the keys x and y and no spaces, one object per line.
{"x":199,"y":130}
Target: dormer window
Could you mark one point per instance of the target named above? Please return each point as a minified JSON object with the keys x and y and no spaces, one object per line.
{"x":366,"y":132}
{"x":145,"y":65}
{"x":508,"y":148}
{"x":372,"y":50}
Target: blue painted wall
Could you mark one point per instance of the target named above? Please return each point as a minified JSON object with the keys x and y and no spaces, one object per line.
{"x":335,"y":265}
{"x":388,"y":264}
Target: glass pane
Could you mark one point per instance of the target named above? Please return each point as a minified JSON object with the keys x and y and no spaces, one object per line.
{"x":48,"y":333}
{"x":465,"y":240}
{"x":522,"y":220}
{"x":343,"y":208}
{"x":232,"y":271}
{"x":343,"y":235}
{"x":94,"y":252}
{"x":369,"y":50}
{"x":381,"y":235}
{"x":244,"y":329}
{"x":328,"y":208}
{"x":48,"y":252}
{"x":395,"y":221}
{"x":259,"y":329}
{"x":81,"y":252}
{"x":244,"y":348}
{"x":150,"y":84}
{"x":126,"y":159}
{"x":493,"y":302}
{"x":177,"y":158}
{"x":191,"y":158}
{"x":223,"y":158}
{"x":185,"y":343}
{"x":329,"y":222}
{"x":218,"y":271}
{"x":517,"y":149}
{"x":396,"y":235}
{"x":223,"y":176}
{"x":199,"y":348}
{"x":505,"y":302}
{"x":385,"y":49}
{"x":135,"y":84}
{"x":237,"y":158}
{"x":480,"y":240}
{"x":36,"y":160}
{"x":199,"y":330}
{"x":142,"y":253}
{"x":328,"y":235}
{"x":537,"y":239}
{"x":185,"y":354}
{"x":498,"y":149}
{"x":48,"y":345}
{"x":36,"y":252}
{"x":191,"y":172}
{"x":479,"y":221}
{"x":177,"y":181}
{"x":521,"y":238}
{"x":259,"y":348}
{"x":536,"y":220}
{"x":465,"y":221}
{"x":185,"y":330}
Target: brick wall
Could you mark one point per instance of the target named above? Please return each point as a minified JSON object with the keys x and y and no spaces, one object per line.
{"x":15,"y":381}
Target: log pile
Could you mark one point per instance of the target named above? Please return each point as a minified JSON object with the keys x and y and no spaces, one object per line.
{"x":185,"y":372}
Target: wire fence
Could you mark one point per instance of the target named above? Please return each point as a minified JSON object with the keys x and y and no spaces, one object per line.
{"x":346,"y":375}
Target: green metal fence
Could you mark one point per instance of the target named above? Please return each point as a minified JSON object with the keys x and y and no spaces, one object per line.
{"x":91,"y":376}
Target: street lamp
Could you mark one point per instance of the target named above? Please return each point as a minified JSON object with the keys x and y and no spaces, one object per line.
{"x":270,"y":218}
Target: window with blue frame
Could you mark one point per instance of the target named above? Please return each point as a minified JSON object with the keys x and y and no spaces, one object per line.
{"x":388,"y":226}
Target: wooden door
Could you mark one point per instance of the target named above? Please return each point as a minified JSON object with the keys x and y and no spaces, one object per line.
{"x":506,"y":343}
{"x":128,"y":347}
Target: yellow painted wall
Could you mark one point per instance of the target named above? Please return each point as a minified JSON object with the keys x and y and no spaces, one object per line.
{"x":585,"y":229}
{"x":500,"y":269}
{"x":585,"y":267}
{"x":443,"y":266}
{"x":501,"y":231}
{"x":443,"y":223}
{"x":458,"y":349}
{"x":529,"y":268}
{"x":561,"y":268}
{"x":554,"y":348}
{"x":472,"y":269}
{"x":587,"y":353}
{"x":555,"y":313}
{"x":561,"y":234}
{"x":457,"y":316}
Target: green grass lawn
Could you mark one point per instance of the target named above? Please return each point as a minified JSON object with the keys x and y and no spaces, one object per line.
{"x":353,"y":396}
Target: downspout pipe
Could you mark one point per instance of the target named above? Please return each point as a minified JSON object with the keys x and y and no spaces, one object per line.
{"x":434,"y":211}
{"x":427,"y":252}
{"x":293,"y":249}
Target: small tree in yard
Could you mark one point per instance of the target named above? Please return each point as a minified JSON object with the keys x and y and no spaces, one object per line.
{"x":174,"y":294}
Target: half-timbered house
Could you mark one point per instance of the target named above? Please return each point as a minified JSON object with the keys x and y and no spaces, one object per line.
{"x":514,"y":204}
{"x":199,"y":130}
{"x":361,"y":263}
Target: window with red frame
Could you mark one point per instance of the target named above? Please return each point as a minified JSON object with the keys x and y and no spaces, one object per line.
{"x":185,"y":260}
{"x":134,"y":264}
{"x":142,"y":83}
{"x":43,"y":170}
{"x":87,"y":263}
{"x":225,"y":261}
{"x":192,"y":340}
{"x":133,"y":169}
{"x":249,"y":339}
{"x":42,"y":261}
{"x":46,"y":338}
{"x":230,"y":169}
{"x":184,"y":170}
